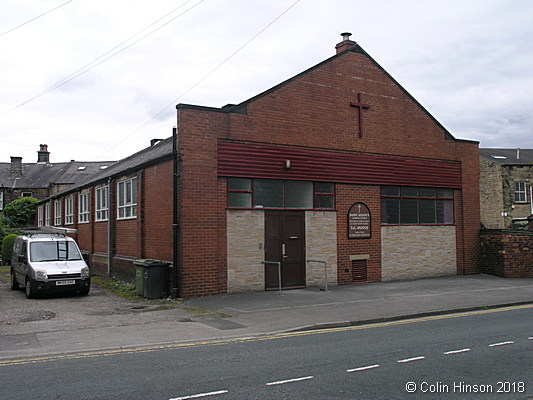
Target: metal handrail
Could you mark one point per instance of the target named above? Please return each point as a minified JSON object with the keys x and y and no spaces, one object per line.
{"x":279,"y":272}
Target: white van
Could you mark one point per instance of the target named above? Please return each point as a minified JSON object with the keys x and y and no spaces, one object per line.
{"x":48,"y":262}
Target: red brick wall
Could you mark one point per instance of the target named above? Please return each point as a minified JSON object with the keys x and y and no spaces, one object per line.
{"x":202,"y":199}
{"x":507,"y":253}
{"x":347,"y":195}
{"x":313,"y":110}
{"x":147,"y":236}
{"x":100,"y":236}
{"x":157,"y":212}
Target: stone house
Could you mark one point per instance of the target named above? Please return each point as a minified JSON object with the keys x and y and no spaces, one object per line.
{"x":506,"y":180}
{"x":43,"y":178}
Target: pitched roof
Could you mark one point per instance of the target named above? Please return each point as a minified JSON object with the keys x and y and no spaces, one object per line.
{"x":150,"y":155}
{"x":508,"y":156}
{"x":41,"y":175}
{"x":147,"y":156}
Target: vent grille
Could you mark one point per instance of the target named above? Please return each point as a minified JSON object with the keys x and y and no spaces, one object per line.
{"x":64,"y":276}
{"x":359,"y":271}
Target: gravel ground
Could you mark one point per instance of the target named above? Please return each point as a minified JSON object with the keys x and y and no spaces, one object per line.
{"x":101,"y":308}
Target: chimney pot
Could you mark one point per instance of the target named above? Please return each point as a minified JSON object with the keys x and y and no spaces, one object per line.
{"x":43,"y":155}
{"x":346,"y":42}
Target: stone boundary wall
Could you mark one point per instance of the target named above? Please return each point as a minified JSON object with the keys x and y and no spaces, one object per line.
{"x":507,"y":253}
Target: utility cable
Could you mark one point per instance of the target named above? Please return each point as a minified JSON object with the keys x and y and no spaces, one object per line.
{"x":109,"y":54}
{"x":33,"y":19}
{"x":173,"y":102}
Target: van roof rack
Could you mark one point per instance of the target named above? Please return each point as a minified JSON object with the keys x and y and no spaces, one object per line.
{"x":54,"y":230}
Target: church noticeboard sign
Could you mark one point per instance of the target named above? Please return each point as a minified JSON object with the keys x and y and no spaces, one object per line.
{"x":359,"y":222}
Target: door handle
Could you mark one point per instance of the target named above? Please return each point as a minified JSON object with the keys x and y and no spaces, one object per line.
{"x":283,"y":251}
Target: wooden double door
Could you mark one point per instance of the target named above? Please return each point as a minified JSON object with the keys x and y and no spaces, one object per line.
{"x":285,"y":243}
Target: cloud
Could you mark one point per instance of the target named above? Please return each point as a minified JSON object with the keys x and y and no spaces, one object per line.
{"x":468,"y":63}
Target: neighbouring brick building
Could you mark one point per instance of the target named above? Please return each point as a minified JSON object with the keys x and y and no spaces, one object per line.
{"x":121,"y":213}
{"x":337,"y":165}
{"x":506,"y":179}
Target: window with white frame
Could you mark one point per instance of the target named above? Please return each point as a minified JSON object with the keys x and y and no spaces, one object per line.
{"x":57,"y":212}
{"x":1,"y":201}
{"x":48,"y":216}
{"x":83,"y":207}
{"x":40,"y":216}
{"x":102,"y":207}
{"x":127,"y":199}
{"x":520,"y":192}
{"x":69,"y":210}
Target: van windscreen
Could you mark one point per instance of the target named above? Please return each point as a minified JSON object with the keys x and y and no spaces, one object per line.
{"x":54,"y":251}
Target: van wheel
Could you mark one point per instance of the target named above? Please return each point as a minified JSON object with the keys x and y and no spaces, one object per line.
{"x":30,"y":289}
{"x":14,"y":284}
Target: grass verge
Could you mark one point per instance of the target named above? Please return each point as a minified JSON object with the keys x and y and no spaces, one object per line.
{"x":128,"y":291}
{"x":119,"y":288}
{"x":4,"y":273}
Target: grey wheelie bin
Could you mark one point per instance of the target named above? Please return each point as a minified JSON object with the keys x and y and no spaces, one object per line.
{"x":154,"y":279}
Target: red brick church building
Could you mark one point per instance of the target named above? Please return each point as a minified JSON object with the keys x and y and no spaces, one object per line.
{"x":275,"y":178}
{"x":339,"y":164}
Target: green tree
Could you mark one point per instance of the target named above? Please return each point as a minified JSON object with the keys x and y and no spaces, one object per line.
{"x":19,"y":213}
{"x":7,"y":247}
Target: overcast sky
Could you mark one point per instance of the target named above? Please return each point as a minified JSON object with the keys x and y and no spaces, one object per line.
{"x":97,"y":79}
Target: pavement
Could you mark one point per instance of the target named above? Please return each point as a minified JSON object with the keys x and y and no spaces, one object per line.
{"x":105,"y":322}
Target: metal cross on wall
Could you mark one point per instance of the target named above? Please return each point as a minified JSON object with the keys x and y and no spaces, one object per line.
{"x":360,"y":106}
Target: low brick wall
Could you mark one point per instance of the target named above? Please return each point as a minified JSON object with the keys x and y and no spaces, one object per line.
{"x":507,"y":253}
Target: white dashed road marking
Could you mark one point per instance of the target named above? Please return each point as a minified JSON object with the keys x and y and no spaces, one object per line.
{"x":200,"y":395}
{"x":290,"y":380}
{"x":363,"y":368}
{"x":456,"y":351}
{"x":406,"y":360}
{"x":501,"y":343}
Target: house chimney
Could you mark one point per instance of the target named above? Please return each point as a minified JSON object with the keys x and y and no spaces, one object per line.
{"x":346,"y":42}
{"x":16,"y":167}
{"x":43,"y":155}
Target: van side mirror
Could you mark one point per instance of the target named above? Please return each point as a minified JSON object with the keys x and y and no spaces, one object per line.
{"x":22,"y":259}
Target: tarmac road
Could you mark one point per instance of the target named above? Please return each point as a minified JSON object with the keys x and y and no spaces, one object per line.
{"x":473,"y":355}
{"x":103,"y":321}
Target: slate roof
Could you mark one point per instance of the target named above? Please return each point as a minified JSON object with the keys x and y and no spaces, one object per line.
{"x":508,"y":156}
{"x":150,"y":155}
{"x":41,"y":175}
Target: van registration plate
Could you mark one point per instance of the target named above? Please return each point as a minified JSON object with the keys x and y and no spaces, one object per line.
{"x":61,"y":283}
